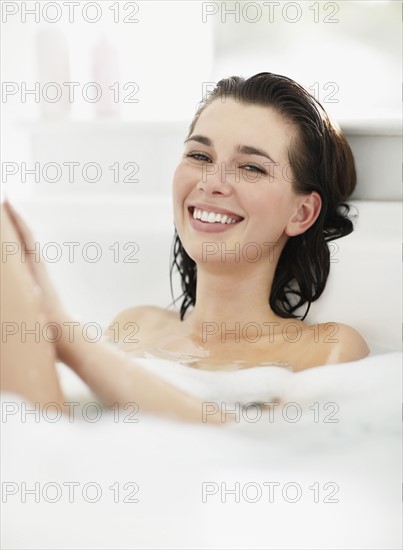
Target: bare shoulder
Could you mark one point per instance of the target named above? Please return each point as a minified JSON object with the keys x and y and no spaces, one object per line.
{"x":347,"y":342}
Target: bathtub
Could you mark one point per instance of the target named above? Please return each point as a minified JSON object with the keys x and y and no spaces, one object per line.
{"x":326,"y":477}
{"x":163,"y":484}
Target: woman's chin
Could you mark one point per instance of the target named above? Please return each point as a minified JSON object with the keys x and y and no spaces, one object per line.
{"x":215,"y":254}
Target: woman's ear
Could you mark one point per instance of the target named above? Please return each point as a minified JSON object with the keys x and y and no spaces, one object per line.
{"x":307,"y":210}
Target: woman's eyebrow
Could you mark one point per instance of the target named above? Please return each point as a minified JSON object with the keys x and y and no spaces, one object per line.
{"x":201,"y":139}
{"x":245,"y":149}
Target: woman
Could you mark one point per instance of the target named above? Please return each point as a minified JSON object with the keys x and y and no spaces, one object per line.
{"x":259,"y":191}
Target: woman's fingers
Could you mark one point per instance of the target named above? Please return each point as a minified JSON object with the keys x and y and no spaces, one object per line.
{"x":27,"y":240}
{"x":28,"y":243}
{"x":11,"y":214}
{"x":51,"y":301}
{"x":22,"y":228}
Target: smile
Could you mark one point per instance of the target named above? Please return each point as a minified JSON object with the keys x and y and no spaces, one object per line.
{"x":210,"y":221}
{"x":212,"y":217}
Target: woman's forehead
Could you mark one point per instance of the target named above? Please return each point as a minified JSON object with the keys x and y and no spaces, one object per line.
{"x":229,"y":120}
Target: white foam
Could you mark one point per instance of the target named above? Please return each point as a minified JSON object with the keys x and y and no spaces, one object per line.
{"x":170,"y":460}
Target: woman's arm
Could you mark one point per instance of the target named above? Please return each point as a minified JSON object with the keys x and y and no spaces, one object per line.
{"x":116,"y":378}
{"x":109,"y":372}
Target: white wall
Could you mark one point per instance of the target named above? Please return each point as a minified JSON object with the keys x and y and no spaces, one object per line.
{"x":351,"y":50}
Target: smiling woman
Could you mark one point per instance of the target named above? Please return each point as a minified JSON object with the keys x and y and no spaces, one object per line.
{"x":264,"y":169}
{"x":257,"y":195}
{"x":312,"y":173}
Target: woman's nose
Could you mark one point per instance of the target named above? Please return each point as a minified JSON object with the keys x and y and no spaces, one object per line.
{"x":217,"y":178}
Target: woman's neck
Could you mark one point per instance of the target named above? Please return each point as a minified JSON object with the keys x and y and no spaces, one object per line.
{"x":231,"y":300}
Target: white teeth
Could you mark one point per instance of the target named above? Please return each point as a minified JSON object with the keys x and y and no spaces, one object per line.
{"x":212,"y":217}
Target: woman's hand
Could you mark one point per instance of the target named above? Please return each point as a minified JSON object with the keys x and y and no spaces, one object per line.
{"x":53,"y":306}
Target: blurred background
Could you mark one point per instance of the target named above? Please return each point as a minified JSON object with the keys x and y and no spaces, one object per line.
{"x":97,"y":99}
{"x":160,"y":58}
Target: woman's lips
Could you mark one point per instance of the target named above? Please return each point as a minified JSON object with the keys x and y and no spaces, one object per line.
{"x":208,"y":227}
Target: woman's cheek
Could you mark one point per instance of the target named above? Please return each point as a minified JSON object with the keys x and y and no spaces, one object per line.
{"x":178,"y":192}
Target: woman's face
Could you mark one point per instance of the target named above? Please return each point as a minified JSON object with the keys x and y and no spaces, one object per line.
{"x":234,"y":174}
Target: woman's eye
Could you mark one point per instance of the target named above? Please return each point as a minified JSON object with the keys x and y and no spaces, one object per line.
{"x":253,"y":168}
{"x":198,"y":156}
{"x":204,"y":158}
